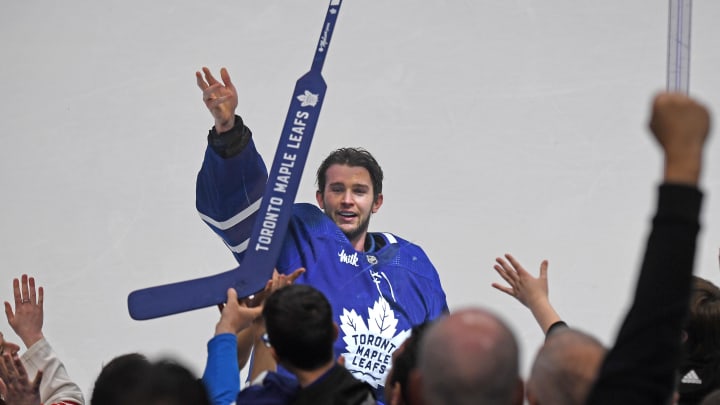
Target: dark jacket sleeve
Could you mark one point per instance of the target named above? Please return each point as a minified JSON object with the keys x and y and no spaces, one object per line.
{"x":640,"y":368}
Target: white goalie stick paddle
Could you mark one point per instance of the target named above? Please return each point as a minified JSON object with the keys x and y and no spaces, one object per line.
{"x":259,"y":261}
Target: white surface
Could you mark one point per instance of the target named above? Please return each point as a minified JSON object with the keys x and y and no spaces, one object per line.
{"x":513,"y":126}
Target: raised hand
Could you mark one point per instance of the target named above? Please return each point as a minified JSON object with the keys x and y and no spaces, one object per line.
{"x":27,"y":319}
{"x":276,"y":282}
{"x":7,"y":347}
{"x":528,"y":290}
{"x":221,"y":99}
{"x":14,"y":383}
{"x":522,"y":285}
{"x":680,"y":125}
{"x":236,"y":316}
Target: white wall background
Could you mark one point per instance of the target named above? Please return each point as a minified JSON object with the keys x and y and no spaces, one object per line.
{"x":503,"y":126}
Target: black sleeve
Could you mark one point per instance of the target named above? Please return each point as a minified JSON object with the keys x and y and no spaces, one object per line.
{"x":555,"y":327}
{"x":640,"y":368}
{"x":232,"y":142}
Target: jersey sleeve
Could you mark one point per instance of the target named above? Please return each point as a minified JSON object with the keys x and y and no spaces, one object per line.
{"x":229,"y":191}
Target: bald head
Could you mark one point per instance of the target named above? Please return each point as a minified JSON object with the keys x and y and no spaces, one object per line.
{"x":565,"y":368}
{"x":470,"y":357}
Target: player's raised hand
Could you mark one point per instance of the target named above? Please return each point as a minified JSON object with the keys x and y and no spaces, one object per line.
{"x":221,"y":99}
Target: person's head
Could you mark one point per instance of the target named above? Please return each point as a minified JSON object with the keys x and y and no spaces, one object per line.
{"x":350,"y":190}
{"x":699,"y":370}
{"x":117,"y":380}
{"x":170,"y":383}
{"x":703,"y":324}
{"x":299,"y":325}
{"x":712,"y":398}
{"x":470,"y":357}
{"x":132,"y":379}
{"x":401,"y":387}
{"x":565,"y":368}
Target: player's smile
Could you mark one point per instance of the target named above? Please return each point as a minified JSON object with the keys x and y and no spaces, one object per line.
{"x":348,"y":201}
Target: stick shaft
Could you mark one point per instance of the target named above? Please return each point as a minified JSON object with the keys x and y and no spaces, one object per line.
{"x":678,"y":60}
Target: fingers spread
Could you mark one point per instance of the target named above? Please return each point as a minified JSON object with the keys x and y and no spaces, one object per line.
{"x":32,"y":295}
{"x":16,"y":292}
{"x":36,"y":382}
{"x":209,"y":77}
{"x":506,"y":290}
{"x":9,"y":313}
{"x":24,"y":287}
{"x":543,"y":269}
{"x":225,"y":76}
{"x":200,"y":81}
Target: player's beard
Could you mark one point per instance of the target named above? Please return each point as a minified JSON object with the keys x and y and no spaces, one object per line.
{"x":359,"y":230}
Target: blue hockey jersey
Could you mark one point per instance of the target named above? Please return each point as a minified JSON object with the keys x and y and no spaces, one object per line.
{"x":376,"y":296}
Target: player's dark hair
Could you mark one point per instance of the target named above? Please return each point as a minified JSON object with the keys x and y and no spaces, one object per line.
{"x":353,"y":157}
{"x":299,"y":324}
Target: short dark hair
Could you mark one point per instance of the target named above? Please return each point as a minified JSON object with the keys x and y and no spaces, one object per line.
{"x":354,"y":157}
{"x":117,"y":378}
{"x":299,"y":324}
{"x":132,"y":379}
{"x":703,"y":323}
{"x":170,"y":383}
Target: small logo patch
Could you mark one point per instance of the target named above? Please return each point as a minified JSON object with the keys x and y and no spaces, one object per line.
{"x":308,"y":99}
{"x":691,"y":378}
{"x":349,"y":259}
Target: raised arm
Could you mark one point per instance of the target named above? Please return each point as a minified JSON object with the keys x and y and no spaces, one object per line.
{"x":221,"y":376}
{"x":232,"y":178}
{"x":27,"y":321}
{"x":528,"y":290}
{"x":640,"y":368}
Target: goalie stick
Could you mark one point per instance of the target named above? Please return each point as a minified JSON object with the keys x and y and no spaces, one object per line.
{"x":678,"y":57}
{"x":276,"y":207}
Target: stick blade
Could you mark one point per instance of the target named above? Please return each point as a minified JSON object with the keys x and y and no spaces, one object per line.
{"x":169,"y":299}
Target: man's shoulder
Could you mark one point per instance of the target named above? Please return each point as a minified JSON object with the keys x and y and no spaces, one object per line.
{"x":337,"y":386}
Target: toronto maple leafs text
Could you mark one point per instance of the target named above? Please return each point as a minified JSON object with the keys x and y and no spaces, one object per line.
{"x":281,"y":182}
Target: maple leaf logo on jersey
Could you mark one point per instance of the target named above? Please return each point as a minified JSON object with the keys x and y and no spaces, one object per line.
{"x":308,"y":99}
{"x":370,"y":346}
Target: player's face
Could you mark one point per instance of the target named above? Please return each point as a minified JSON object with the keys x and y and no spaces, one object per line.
{"x":348,"y":200}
